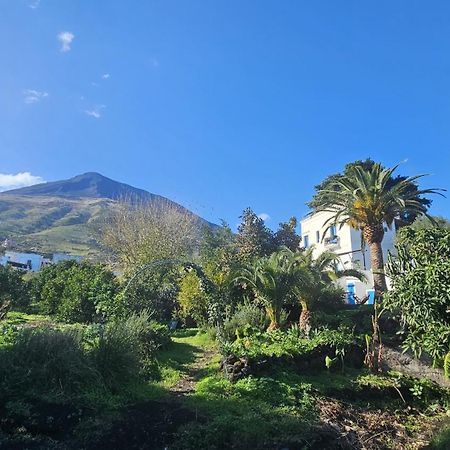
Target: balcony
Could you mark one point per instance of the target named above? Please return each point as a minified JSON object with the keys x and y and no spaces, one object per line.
{"x":331,"y":242}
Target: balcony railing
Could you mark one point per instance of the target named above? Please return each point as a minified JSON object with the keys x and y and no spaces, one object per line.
{"x":331,"y":241}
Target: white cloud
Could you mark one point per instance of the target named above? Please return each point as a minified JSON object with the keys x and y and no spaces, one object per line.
{"x":264,"y":216}
{"x":96,"y":111}
{"x":65,"y":38}
{"x":32,"y":96}
{"x":105,"y":76}
{"x":18,"y":180}
{"x":34,"y":4}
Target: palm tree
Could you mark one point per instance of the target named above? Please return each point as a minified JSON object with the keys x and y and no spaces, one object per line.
{"x":322,"y":272}
{"x":366,"y":199}
{"x":272,"y":280}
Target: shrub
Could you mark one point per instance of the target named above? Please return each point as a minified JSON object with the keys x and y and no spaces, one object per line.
{"x":193,"y":300}
{"x":13,"y":288}
{"x":75,"y":292}
{"x":44,"y":362}
{"x":420,"y":292}
{"x":247,"y":316}
{"x":154,"y":290}
{"x":124,"y":349}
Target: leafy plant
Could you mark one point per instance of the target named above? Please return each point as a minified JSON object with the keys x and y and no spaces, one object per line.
{"x":420,"y":294}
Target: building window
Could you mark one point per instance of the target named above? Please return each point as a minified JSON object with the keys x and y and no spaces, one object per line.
{"x":306,"y":240}
{"x":317,"y":236}
{"x":333,"y":232}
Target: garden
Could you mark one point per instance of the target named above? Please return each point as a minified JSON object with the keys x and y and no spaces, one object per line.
{"x":235,"y":340}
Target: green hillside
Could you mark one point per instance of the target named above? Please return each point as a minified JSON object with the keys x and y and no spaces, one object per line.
{"x":67,"y":216}
{"x":51,"y":224}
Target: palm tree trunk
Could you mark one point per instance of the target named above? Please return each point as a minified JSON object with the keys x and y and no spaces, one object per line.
{"x":373,"y":235}
{"x":274,"y":317}
{"x":305,"y":317}
{"x":379,"y":278}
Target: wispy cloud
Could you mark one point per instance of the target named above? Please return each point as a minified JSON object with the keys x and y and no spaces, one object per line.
{"x":105,"y":76}
{"x":264,"y":216}
{"x":34,"y":4}
{"x":18,"y":180}
{"x":96,"y":111}
{"x":32,"y":96}
{"x":65,"y":38}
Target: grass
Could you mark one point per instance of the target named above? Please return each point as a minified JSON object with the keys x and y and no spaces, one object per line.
{"x":441,"y":441}
{"x":174,"y":362}
{"x":18,"y":318}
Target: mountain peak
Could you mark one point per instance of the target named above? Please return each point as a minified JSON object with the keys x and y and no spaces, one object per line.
{"x":89,"y":184}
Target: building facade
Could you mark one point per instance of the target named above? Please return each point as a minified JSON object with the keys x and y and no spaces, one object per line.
{"x":33,"y":262}
{"x":346,"y":242}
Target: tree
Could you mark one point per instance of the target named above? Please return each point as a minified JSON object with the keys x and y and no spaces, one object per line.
{"x":75,"y":292}
{"x":365,"y":198}
{"x":420,"y":294}
{"x":138,"y":233}
{"x":405,"y":217}
{"x":254,"y":239}
{"x":422,"y":223}
{"x":286,"y":236}
{"x":272,"y":280}
{"x":321,"y":273}
{"x":193,"y":299}
{"x":13,"y":289}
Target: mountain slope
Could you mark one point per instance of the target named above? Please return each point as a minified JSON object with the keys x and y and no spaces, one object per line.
{"x":67,"y":215}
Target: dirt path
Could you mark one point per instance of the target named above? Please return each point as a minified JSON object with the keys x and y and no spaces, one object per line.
{"x":193,"y":371}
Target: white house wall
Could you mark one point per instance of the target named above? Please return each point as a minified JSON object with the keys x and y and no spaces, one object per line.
{"x":348,"y":247}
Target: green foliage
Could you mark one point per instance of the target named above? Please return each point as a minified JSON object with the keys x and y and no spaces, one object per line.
{"x":13,"y":288}
{"x":447,"y":365}
{"x":420,"y":292}
{"x":45,"y":363}
{"x":255,"y":413}
{"x":325,"y":190}
{"x":75,"y":292}
{"x":273,"y":281}
{"x":441,"y":441}
{"x":254,"y":239}
{"x":74,"y":363}
{"x":288,"y":343}
{"x":155,"y":290}
{"x":192,"y":298}
{"x":286,"y":235}
{"x":246,"y":316}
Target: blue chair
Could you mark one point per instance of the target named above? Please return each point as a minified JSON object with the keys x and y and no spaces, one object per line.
{"x":370,"y":296}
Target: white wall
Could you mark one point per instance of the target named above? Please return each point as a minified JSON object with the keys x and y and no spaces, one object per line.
{"x":348,"y":247}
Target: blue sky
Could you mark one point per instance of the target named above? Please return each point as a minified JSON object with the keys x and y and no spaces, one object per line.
{"x":221,"y":105}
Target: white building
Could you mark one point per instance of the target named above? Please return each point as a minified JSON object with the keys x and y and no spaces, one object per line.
{"x":26,"y":261}
{"x":32,"y":261}
{"x":345,"y":242}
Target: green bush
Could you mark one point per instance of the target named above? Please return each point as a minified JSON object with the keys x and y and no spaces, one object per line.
{"x":125,"y":349}
{"x":45,"y":363}
{"x":288,"y":343}
{"x":420,"y":294}
{"x":155,"y":290}
{"x":75,"y":362}
{"x":247,"y":316}
{"x":13,"y":288}
{"x":75,"y":292}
